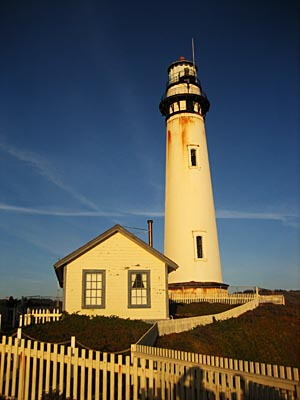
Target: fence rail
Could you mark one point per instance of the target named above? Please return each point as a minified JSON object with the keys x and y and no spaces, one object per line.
{"x":29,"y":369}
{"x":236,"y":298}
{"x":166,"y":327}
{"x":39,"y":316}
{"x":255,"y":380}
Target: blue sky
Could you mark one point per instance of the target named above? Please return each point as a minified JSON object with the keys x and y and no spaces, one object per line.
{"x":82,"y":142}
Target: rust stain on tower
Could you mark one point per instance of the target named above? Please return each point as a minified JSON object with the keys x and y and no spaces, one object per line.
{"x":169,"y":137}
{"x":184,"y":122}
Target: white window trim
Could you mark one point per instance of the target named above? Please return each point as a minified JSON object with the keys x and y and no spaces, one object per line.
{"x":203,"y":235}
{"x":194,"y":147}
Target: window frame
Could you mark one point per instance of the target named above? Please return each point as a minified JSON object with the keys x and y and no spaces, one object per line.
{"x":202,"y":234}
{"x":84,"y":288}
{"x":148,"y":289}
{"x":199,"y":246}
{"x":195,"y":148}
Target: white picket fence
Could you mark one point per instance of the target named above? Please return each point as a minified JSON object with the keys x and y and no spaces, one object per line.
{"x":272,"y":298}
{"x":29,"y":369}
{"x":225,"y":378}
{"x":226,"y":298}
{"x":166,"y":327}
{"x":39,"y":316}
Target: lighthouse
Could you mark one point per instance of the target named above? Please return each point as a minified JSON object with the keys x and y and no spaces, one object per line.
{"x":190,"y":237}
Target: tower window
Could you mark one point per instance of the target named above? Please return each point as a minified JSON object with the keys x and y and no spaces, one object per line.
{"x":199,"y":246}
{"x":193,"y":158}
{"x":189,"y":105}
{"x":199,"y":238}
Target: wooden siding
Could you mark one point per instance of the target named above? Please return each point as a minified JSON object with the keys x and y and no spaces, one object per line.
{"x":117,"y":255}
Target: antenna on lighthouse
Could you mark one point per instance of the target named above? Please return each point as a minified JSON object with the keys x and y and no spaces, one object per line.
{"x":193,"y":52}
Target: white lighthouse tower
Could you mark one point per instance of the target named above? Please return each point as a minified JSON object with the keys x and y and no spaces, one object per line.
{"x":191,"y":238}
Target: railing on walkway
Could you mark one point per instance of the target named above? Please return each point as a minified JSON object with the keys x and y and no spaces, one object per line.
{"x":226,"y":298}
{"x":39,"y":316}
{"x":272,"y":298}
{"x":30,"y":369}
{"x":239,"y":298}
{"x":166,"y":327}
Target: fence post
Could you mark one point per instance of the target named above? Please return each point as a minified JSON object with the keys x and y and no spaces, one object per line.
{"x":20,"y":321}
{"x":132,"y":351}
{"x":19,"y":335}
{"x":73,"y":344}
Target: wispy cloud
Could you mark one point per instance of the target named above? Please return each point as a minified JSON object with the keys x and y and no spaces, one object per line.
{"x":58,"y":213}
{"x":145,"y":213}
{"x":45,"y":169}
{"x":286,"y":219}
{"x":78,"y":213}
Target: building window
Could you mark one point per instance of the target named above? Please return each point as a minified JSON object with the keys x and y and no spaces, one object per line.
{"x":93,"y":289}
{"x":138,"y":289}
{"x":199,"y":246}
{"x":193,"y":156}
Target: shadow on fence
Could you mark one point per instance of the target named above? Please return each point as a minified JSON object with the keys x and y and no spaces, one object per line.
{"x":36,"y":370}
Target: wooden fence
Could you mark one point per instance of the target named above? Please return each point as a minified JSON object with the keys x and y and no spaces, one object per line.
{"x":272,"y":298}
{"x":39,"y":316}
{"x":226,"y":298}
{"x":166,"y":327}
{"x":29,"y":369}
{"x":226,"y":378}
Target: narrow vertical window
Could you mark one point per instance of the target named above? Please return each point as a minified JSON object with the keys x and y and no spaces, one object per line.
{"x":189,"y":105}
{"x":139,"y":289}
{"x":93,"y":288}
{"x":199,"y":246}
{"x":193,"y":155}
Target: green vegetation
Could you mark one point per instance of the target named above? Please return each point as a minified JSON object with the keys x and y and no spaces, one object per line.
{"x":181,"y":310}
{"x":270,"y":334}
{"x":111,"y":334}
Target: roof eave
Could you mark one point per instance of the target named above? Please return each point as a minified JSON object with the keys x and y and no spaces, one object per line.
{"x":94,"y":242}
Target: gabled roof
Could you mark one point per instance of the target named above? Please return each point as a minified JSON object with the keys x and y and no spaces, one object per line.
{"x":59,"y":265}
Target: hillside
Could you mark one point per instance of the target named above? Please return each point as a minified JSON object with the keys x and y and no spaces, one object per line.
{"x":111,"y":334}
{"x":179,"y":310}
{"x":269,"y":334}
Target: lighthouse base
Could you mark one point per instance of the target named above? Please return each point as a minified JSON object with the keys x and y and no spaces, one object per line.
{"x":195,"y":289}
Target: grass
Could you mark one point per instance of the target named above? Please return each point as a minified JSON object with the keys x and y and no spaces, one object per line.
{"x":111,"y":334}
{"x":180,"y":310}
{"x":270,"y":334}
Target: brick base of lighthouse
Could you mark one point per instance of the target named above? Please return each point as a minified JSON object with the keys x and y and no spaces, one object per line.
{"x":198,"y":288}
